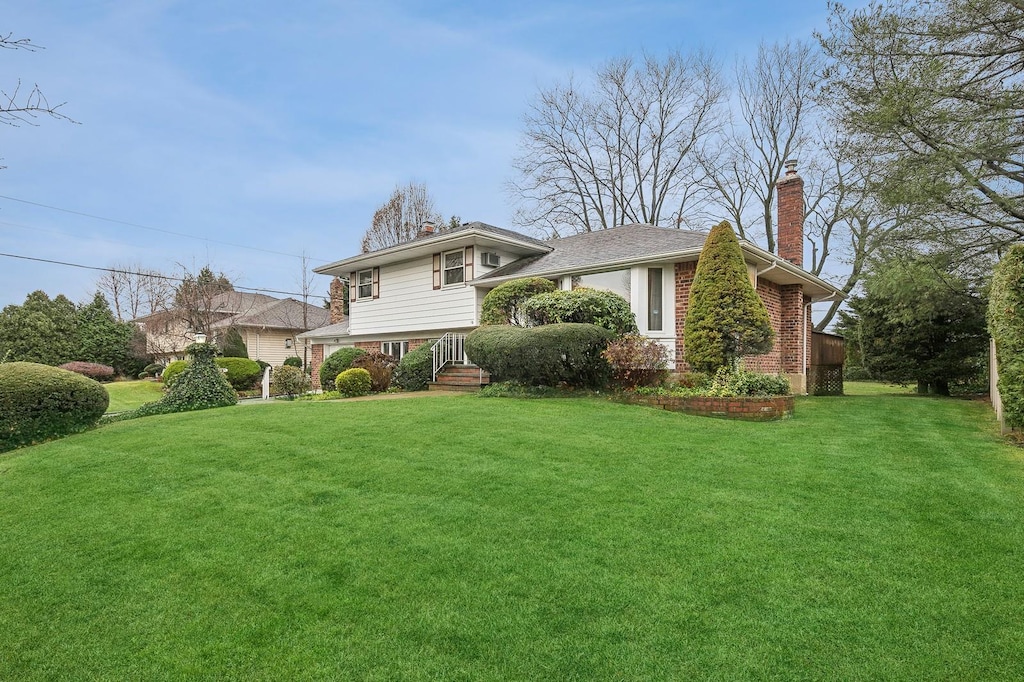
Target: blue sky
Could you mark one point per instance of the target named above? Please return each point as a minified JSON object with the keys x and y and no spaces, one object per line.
{"x":281,"y":126}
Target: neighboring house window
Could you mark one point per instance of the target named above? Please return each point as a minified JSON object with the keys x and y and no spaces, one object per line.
{"x":654,"y":302}
{"x":395,"y":349}
{"x":454,"y":267}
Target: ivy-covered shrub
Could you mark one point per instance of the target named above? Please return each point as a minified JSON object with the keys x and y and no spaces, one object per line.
{"x":242,"y":373}
{"x":336,"y":363}
{"x":584,"y":305}
{"x":542,"y":356}
{"x":1006,"y":325}
{"x":38,"y":402}
{"x":201,"y":384}
{"x":636,"y":360}
{"x":92,"y":370}
{"x":353,"y":382}
{"x":289,"y":381}
{"x":504,"y":303}
{"x":380,"y":367}
{"x":729,"y":383}
{"x":293,"y":361}
{"x":171,"y":372}
{"x":726,"y":319}
{"x":416,"y":368}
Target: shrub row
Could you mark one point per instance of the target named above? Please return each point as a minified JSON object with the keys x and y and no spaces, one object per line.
{"x":242,"y":373}
{"x":92,"y":370}
{"x":550,"y":355}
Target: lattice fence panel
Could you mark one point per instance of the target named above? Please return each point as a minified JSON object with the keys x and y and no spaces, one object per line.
{"x":825,"y":380}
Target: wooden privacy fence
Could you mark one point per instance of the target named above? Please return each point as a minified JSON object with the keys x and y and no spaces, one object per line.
{"x":825,"y":373}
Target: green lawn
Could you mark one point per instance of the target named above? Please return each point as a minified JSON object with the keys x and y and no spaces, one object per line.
{"x":870,"y":537}
{"x":127,"y":395}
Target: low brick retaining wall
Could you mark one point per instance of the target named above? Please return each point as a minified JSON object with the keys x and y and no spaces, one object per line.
{"x":746,"y":409}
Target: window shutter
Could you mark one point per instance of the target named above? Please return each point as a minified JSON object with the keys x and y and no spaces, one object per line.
{"x":353,"y":286}
{"x":468,"y":262}
{"x":437,"y":271}
{"x":376,"y":282}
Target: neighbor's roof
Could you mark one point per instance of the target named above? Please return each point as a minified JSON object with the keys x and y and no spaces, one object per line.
{"x":601,"y":248}
{"x":286,"y":313}
{"x":226,"y":303}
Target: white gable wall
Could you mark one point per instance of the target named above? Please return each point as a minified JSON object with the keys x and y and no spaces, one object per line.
{"x":408,"y":302}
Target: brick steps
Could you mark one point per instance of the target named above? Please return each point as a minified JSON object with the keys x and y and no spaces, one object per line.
{"x":460,"y":378}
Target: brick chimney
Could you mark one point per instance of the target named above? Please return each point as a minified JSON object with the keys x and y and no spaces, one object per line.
{"x":791,"y":215}
{"x":426,"y":229}
{"x":337,"y":300}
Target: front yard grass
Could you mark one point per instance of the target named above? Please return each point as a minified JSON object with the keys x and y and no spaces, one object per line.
{"x":870,"y":537}
{"x":127,"y":395}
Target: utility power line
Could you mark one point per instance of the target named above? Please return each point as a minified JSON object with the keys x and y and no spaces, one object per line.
{"x":155,"y":229}
{"x":131,"y":272}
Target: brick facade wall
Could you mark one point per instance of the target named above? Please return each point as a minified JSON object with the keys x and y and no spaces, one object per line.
{"x":315,"y":360}
{"x":786,"y":312}
{"x":791,"y":217}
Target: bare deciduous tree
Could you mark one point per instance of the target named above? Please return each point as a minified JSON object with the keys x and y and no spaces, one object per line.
{"x":135,"y":291}
{"x":399,"y":218}
{"x":772,"y":122}
{"x":622,"y":151}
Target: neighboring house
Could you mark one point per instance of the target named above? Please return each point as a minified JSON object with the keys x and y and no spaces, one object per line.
{"x":403,"y":296}
{"x":268,"y":326}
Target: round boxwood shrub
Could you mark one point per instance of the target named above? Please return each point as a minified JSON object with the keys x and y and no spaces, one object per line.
{"x":584,"y":305}
{"x":353,"y":382}
{"x":504,"y":303}
{"x":242,"y":373}
{"x":415,"y":370}
{"x":550,"y":355}
{"x":293,"y":361}
{"x":152,"y":370}
{"x":171,"y":372}
{"x":38,"y":402}
{"x":289,"y":381}
{"x":336,"y":363}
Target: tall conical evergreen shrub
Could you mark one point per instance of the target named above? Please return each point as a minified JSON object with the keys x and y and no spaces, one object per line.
{"x":1006,"y":325}
{"x":726,"y":319}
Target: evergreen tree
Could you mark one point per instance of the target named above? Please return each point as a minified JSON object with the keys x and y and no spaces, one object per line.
{"x":726,"y":319}
{"x":917,"y":321}
{"x":233,"y":346}
{"x":40,"y":330}
{"x":102,"y":339}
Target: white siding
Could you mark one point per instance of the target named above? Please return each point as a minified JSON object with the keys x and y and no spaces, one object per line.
{"x":409,"y":303}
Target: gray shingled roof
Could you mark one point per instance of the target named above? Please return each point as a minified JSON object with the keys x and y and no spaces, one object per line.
{"x":593,"y":249}
{"x":336,"y":329}
{"x":279,"y":314}
{"x":484,"y":227}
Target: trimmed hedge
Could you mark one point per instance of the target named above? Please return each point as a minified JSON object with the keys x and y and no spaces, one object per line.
{"x":504,"y":303}
{"x":171,"y":372}
{"x":415,"y":370}
{"x":93,"y":370}
{"x":293,"y":361}
{"x":353,"y":382}
{"x":1006,"y":325}
{"x":38,"y":403}
{"x":336,"y":363}
{"x":584,"y":305}
{"x":243,"y":373}
{"x":550,"y":355}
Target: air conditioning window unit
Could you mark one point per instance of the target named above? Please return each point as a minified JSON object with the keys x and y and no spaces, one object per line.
{"x":490,"y":259}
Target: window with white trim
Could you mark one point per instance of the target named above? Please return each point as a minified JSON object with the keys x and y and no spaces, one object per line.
{"x":453,"y":264}
{"x":654,"y":299}
{"x":395,"y":349}
{"x":365,"y":286}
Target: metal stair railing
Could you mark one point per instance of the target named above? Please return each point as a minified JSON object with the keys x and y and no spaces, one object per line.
{"x":449,"y":349}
